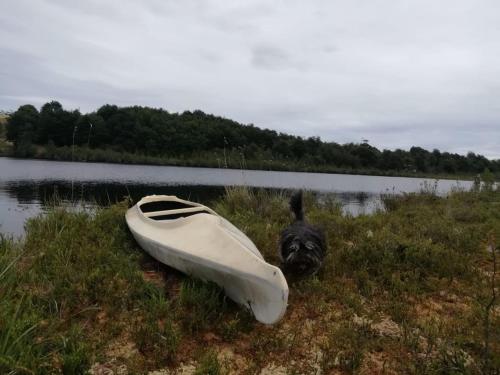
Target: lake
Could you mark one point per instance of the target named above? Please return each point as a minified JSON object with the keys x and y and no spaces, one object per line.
{"x":27,"y":187}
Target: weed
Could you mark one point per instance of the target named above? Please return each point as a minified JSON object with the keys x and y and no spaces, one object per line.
{"x":347,"y":345}
{"x":154,"y":333}
{"x":74,"y":353}
{"x":201,"y":304}
{"x":209,"y":364}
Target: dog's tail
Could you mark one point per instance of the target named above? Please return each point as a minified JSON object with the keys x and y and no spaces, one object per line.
{"x":296,"y":205}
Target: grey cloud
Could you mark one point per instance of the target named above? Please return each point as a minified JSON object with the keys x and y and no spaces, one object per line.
{"x":35,"y":83}
{"x":269,"y":57}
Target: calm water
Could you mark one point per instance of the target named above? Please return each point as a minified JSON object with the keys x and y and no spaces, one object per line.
{"x":28,"y":186}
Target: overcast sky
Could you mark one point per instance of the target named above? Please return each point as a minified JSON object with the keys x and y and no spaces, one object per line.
{"x":398,"y":73}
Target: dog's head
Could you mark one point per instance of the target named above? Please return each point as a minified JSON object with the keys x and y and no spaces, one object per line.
{"x":301,"y":256}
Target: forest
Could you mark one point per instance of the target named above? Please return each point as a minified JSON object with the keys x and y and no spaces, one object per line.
{"x":154,"y":132}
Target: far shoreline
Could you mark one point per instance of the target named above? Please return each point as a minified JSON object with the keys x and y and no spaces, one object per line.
{"x":278,"y":166}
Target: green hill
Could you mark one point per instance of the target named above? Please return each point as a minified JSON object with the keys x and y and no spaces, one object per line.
{"x":152,"y":135}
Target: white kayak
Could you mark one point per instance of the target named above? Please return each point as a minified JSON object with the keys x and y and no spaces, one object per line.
{"x":197,"y":241}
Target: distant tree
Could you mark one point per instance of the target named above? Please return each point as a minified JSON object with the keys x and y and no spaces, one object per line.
{"x":333,"y":154}
{"x":92,"y":131}
{"x":107,"y":110}
{"x":435,"y":159}
{"x":56,"y":124}
{"x":368,"y":155}
{"x":477,"y":163}
{"x":495,"y":165}
{"x":312,"y":145}
{"x":390,"y":160}
{"x":420,"y":158}
{"x":22,"y":125}
{"x":155,"y":132}
{"x":282,"y":148}
{"x":447,"y":163}
{"x":298,"y":148}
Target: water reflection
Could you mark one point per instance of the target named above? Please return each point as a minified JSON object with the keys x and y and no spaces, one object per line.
{"x":20,"y":200}
{"x":27,"y":187}
{"x":94,"y":193}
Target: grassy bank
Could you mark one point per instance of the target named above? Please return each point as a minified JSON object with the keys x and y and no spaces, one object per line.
{"x":232,"y":159}
{"x":410,"y":290}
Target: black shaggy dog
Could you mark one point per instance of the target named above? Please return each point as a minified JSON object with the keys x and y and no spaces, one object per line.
{"x":302,"y":245}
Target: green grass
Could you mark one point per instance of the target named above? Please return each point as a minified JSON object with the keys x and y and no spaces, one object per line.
{"x":203,"y":305}
{"x":407,"y":290}
{"x":209,"y":364}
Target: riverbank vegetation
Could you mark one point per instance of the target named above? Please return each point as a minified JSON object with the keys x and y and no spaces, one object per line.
{"x":155,"y":136}
{"x":5,"y":146}
{"x":412,"y":289}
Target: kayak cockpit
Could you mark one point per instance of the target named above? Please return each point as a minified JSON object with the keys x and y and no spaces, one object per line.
{"x":171,"y":209}
{"x":163,"y":205}
{"x":178,"y":215}
{"x":165,"y":210}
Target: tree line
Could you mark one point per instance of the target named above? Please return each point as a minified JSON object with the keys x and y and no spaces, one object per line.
{"x":156,"y":132}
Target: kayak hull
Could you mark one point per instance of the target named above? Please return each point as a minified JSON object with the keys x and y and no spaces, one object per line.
{"x":207,"y":246}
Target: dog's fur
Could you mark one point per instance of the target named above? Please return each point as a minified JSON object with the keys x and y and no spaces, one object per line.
{"x":302,"y":245}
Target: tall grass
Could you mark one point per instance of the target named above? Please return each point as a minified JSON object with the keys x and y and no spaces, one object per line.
{"x":411,"y":289}
{"x":13,"y":330}
{"x":76,"y":269}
